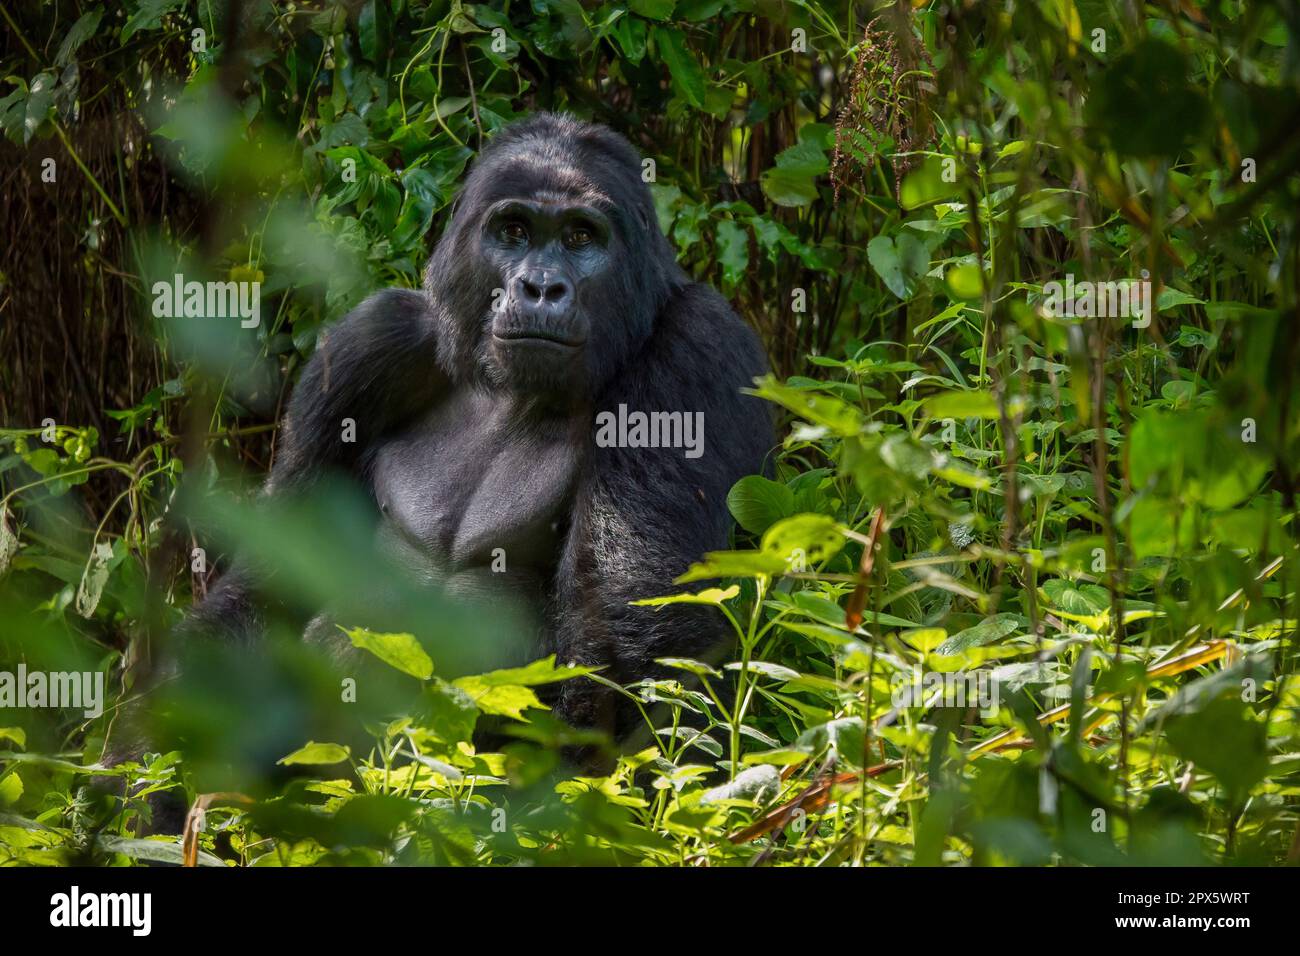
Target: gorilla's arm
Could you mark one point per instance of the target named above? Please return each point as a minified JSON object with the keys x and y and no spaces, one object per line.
{"x":377,"y":367}
{"x":643,"y":515}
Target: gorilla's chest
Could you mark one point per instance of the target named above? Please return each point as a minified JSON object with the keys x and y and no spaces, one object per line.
{"x":475,"y":485}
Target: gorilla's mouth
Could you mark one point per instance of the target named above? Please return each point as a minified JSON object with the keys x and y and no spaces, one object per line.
{"x":538,"y":337}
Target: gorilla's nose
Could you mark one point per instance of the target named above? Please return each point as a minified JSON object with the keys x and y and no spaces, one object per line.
{"x":541,"y":290}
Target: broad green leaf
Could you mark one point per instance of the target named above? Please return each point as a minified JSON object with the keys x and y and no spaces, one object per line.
{"x":832,"y":413}
{"x":734,"y":564}
{"x":757,"y":503}
{"x":1225,"y":738}
{"x":991,"y":629}
{"x":898,"y":261}
{"x":401,"y":651}
{"x":451,"y":712}
{"x":963,"y":404}
{"x":843,"y":738}
{"x":733,"y":251}
{"x":965,"y":282}
{"x":793,"y":181}
{"x":767,"y":669}
{"x":687,"y":76}
{"x":79,"y":33}
{"x":506,"y":700}
{"x":9,"y":540}
{"x":155,"y":851}
{"x":652,"y":9}
{"x":936,"y":178}
{"x":91,"y":588}
{"x":148,"y":15}
{"x":542,"y":671}
{"x":807,"y":538}
{"x":315,"y":754}
{"x":698,"y":668}
{"x":11,"y":788}
{"x":925,"y":639}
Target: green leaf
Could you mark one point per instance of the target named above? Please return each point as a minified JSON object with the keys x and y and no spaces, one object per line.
{"x":505,"y":700}
{"x":314,"y":754}
{"x":793,"y":181}
{"x":733,"y":251}
{"x":683,"y":68}
{"x":40,"y":103}
{"x":79,"y":33}
{"x":843,"y":738}
{"x":1197,"y":695}
{"x":962,"y":404}
{"x":814,"y":537}
{"x":1171,"y":298}
{"x":965,"y":282}
{"x":898,"y":262}
{"x":925,"y":185}
{"x":1076,"y":599}
{"x":832,"y":413}
{"x":788,"y":188}
{"x":8,"y":540}
{"x":153,"y":850}
{"x":91,"y":588}
{"x":148,"y":15}
{"x":543,"y":671}
{"x":698,"y":668}
{"x":1225,"y":738}
{"x":1196,"y":454}
{"x":451,"y":712}
{"x":711,"y":596}
{"x":986,"y":632}
{"x":767,"y":669}
{"x":755,"y":502}
{"x":11,"y":788}
{"x":652,"y":9}
{"x":733,"y":564}
{"x":401,"y":651}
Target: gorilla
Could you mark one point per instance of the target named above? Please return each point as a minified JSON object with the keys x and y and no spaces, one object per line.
{"x":552,"y":306}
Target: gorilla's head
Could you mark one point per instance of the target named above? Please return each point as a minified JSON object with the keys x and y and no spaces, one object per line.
{"x":552,"y":269}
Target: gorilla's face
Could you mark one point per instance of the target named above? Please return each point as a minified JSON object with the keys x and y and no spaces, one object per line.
{"x":552,"y":269}
{"x":553,"y":257}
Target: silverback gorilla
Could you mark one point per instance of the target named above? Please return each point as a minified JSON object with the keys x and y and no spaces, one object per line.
{"x":551,"y":298}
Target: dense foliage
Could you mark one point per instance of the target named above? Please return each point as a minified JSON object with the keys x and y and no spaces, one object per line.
{"x":1092,"y":514}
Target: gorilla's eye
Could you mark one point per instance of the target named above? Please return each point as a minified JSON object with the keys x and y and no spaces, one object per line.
{"x":580,"y":237}
{"x":514,"y":232}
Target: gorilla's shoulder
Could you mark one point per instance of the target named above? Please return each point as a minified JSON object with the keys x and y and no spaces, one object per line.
{"x":394,"y":310}
{"x":698,"y":328}
{"x":386,"y":325}
{"x":372,"y":366}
